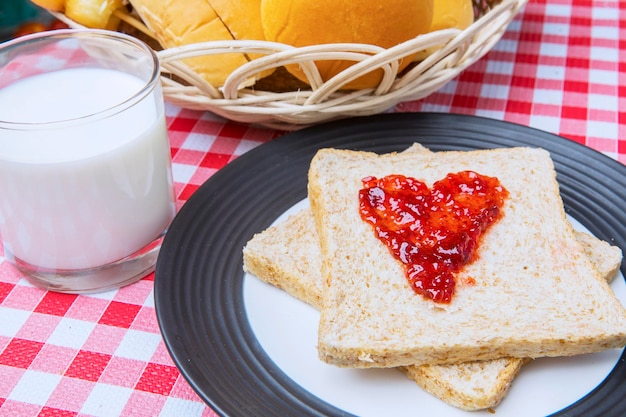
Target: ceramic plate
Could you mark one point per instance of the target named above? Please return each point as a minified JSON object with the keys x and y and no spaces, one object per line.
{"x":248,"y":349}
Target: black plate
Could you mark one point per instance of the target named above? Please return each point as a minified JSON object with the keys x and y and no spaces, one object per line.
{"x":199,"y":276}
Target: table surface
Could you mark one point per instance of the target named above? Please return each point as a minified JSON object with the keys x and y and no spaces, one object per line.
{"x":560,"y":67}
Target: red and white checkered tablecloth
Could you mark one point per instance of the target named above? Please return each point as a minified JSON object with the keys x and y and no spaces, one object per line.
{"x":561,"y":67}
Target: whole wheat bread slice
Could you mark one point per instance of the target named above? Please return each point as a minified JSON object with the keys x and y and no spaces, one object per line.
{"x":536,"y":293}
{"x":287,"y":255}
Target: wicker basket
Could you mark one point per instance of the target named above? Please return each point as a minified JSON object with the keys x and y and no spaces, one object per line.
{"x":295,"y":105}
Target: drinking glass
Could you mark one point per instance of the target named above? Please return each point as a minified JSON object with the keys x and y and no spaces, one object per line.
{"x":86,"y":190}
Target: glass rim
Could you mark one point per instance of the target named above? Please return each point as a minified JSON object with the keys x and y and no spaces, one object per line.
{"x":60,"y":34}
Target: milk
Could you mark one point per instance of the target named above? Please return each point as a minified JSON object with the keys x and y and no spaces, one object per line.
{"x":81,"y":195}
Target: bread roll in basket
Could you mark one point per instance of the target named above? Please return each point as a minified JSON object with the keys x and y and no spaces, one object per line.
{"x":261,"y":88}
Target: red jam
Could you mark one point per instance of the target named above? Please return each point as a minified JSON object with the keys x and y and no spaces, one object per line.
{"x":433,"y":232}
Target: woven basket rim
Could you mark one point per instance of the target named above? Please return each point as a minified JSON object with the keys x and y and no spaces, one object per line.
{"x":241,"y":99}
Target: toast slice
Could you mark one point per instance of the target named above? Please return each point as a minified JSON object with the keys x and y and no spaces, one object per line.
{"x":287,"y":255}
{"x":532,"y":291}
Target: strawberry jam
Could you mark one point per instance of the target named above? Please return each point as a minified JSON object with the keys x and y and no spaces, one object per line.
{"x":434,"y":231}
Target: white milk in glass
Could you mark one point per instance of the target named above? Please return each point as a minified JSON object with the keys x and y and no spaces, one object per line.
{"x":82,"y":195}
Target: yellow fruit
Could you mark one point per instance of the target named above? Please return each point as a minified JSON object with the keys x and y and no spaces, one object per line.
{"x":307,"y":22}
{"x":53,"y":5}
{"x":97,"y":14}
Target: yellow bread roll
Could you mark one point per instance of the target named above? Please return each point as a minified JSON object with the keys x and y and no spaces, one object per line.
{"x":452,"y":14}
{"x":175,"y":23}
{"x":305,"y":22}
{"x":243,"y":20}
{"x":241,"y":17}
{"x":449,"y":14}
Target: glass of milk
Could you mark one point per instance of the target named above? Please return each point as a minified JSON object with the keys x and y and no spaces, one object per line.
{"x":86,"y":190}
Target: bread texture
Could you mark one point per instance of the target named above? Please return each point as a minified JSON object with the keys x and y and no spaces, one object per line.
{"x":175,"y":23}
{"x":287,"y":255}
{"x":606,"y":258}
{"x":534,"y":292}
{"x":449,"y":14}
{"x":303,"y":23}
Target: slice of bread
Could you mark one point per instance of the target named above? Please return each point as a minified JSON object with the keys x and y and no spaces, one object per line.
{"x":606,"y":258}
{"x":287,"y":255}
{"x":536,"y":293}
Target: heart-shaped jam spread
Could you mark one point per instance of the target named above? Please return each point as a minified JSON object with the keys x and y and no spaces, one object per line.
{"x":434,"y":231}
